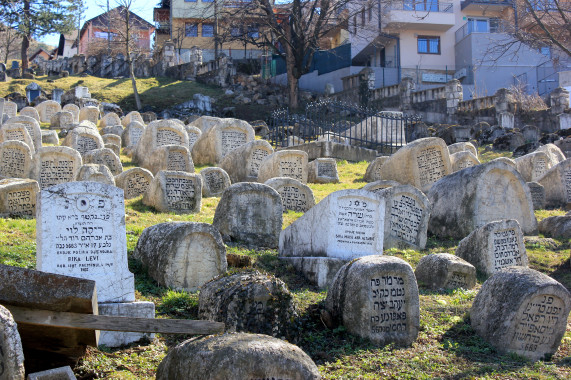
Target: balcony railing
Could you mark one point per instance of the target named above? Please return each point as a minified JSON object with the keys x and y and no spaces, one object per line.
{"x":493,"y":26}
{"x":422,"y":6}
{"x":467,"y":3}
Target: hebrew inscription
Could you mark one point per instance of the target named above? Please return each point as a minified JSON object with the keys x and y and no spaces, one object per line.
{"x":176,"y":161}
{"x":21,"y":202}
{"x":430,"y":166}
{"x":355,"y":224}
{"x":293,"y":198}
{"x":180,"y":194}
{"x":256,"y":159}
{"x":539,"y":169}
{"x":506,"y":249}
{"x":291,"y":167}
{"x":168,"y":137}
{"x":388,"y":309}
{"x":55,"y":171}
{"x":13,"y":163}
{"x":326,"y":169}
{"x":136,"y":185}
{"x":406,"y":216}
{"x":86,"y":144}
{"x":232,"y":140}
{"x":214,"y":181}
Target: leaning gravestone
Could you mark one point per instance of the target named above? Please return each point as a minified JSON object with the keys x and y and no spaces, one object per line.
{"x":445,"y":271}
{"x":89,"y":113}
{"x":134,"y":182}
{"x":533,"y":166}
{"x":322,"y":170}
{"x":32,"y":126}
{"x":74,"y":111}
{"x":177,"y":192}
{"x":182,"y":256}
{"x":463,"y":160}
{"x":406,"y":218}
{"x":62,"y":120}
{"x":245,"y":356}
{"x":475,"y":196}
{"x":15,"y":159}
{"x":345,"y":225}
{"x":105,"y":157}
{"x":519,"y":310}
{"x":54,"y":165}
{"x":18,"y":197}
{"x":243,"y":163}
{"x":494,"y":246}
{"x":379,"y":185}
{"x":81,"y":232}
{"x":30,"y":112}
{"x":95,"y":173}
{"x":250,"y":213}
{"x":47,"y":109}
{"x":376,"y":297}
{"x":373,"y":172}
{"x":557,"y":184}
{"x":284,"y":163}
{"x":537,"y":192}
{"x":219,"y":140}
{"x":420,"y":163}
{"x":295,"y":195}
{"x":131,"y":134}
{"x":17,"y":132}
{"x":83,"y":139}
{"x":214,"y":182}
{"x":249,"y":302}
{"x":11,"y":354}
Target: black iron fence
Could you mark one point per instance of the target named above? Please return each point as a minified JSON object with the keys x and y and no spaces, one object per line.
{"x":384,"y":131}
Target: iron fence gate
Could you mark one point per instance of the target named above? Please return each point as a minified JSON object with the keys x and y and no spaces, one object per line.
{"x":327,"y":120}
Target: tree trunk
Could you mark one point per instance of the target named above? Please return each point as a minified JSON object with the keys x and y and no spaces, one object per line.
{"x":134,"y":84}
{"x":24,"y":52}
{"x":292,"y":79}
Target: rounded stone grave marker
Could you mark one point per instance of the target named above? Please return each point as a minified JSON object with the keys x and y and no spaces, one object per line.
{"x":172,"y":191}
{"x":295,"y":195}
{"x":214,"y":181}
{"x":445,"y":271}
{"x":134,"y":182}
{"x":243,"y":163}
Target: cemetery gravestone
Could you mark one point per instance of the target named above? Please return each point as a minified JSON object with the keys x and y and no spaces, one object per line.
{"x":47,"y":109}
{"x":109,"y":119}
{"x":18,"y":197}
{"x":463,"y":160}
{"x":553,"y":152}
{"x":243,"y":163}
{"x":462,"y":147}
{"x":16,"y":159}
{"x":445,"y":271}
{"x":557,"y":184}
{"x":55,"y":165}
{"x":182,"y":256}
{"x":95,"y":173}
{"x":134,"y":182}
{"x":57,"y":94}
{"x":322,"y":170}
{"x":533,"y":166}
{"x":30,"y":112}
{"x":111,"y":139}
{"x":113,"y":130}
{"x":284,"y":163}
{"x":62,"y":120}
{"x":376,"y":297}
{"x":193,"y":135}
{"x":131,"y":117}
{"x":295,"y":195}
{"x":373,"y":172}
{"x":17,"y":132}
{"x":219,"y":140}
{"x":177,"y":192}
{"x":10,"y":109}
{"x":74,"y":110}
{"x":170,"y":157}
{"x":214,"y":182}
{"x":494,"y":246}
{"x":31,"y":125}
{"x":132,"y":133}
{"x":250,"y":213}
{"x":379,"y":185}
{"x":157,"y":134}
{"x":89,"y":113}
{"x":11,"y":354}
{"x":106,"y":157}
{"x":521,"y":311}
{"x":537,"y":192}
{"x":556,"y":226}
{"x":83,"y":139}
{"x":353,"y":227}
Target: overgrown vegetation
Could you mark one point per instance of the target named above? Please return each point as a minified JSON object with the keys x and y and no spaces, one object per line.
{"x":447,"y":347}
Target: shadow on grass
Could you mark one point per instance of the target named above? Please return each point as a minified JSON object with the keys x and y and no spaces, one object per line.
{"x":563,"y":274}
{"x":140,"y":207}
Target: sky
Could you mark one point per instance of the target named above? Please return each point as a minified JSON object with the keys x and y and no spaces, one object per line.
{"x":143,"y":8}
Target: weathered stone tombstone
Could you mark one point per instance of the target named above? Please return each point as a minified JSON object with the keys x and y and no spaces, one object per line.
{"x":250,"y":213}
{"x":11,"y":353}
{"x":354,"y":227}
{"x":131,"y":117}
{"x":376,"y":297}
{"x":177,"y":192}
{"x":193,"y":135}
{"x":243,"y":163}
{"x":373,"y":172}
{"x":157,"y":134}
{"x":322,"y":170}
{"x":74,"y":111}
{"x":90,"y":113}
{"x":81,"y":232}
{"x":462,"y":147}
{"x":284,"y":163}
{"x":537,"y":192}
{"x":214,"y":182}
{"x":494,"y":246}
{"x":106,"y":157}
{"x":182,"y":256}
{"x":17,"y":132}
{"x":248,"y":356}
{"x":556,"y":226}
{"x":55,"y":165}
{"x":169,"y":157}
{"x":61,"y":373}
{"x":531,"y":133}
{"x":557,"y":184}
{"x":445,"y":271}
{"x":30,"y":112}
{"x":420,"y":163}
{"x":114,"y":148}
{"x":522,"y":311}
{"x":47,"y":109}
{"x":18,"y":197}
{"x":406,"y":218}
{"x":219,"y":140}
{"x":206,"y":122}
{"x":134,"y":182}
{"x":132,"y":133}
{"x":116,"y":130}
{"x":533,"y":166}
{"x":10,"y":108}
{"x":109,"y":119}
{"x":506,"y":120}
{"x":31,"y":125}
{"x":250,"y":302}
{"x":111,"y":139}
{"x":475,"y":196}
{"x":462,"y":160}
{"x":83,"y":139}
{"x":553,"y":152}
{"x":295,"y":195}
{"x":95,"y":173}
{"x":15,"y":159}
{"x":62,"y":120}
{"x":379,"y":185}
{"x":564,"y":120}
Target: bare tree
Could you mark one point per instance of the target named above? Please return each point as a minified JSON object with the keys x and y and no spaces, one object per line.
{"x":9,"y":40}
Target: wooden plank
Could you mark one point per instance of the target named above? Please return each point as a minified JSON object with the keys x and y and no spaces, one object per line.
{"x":113,"y":323}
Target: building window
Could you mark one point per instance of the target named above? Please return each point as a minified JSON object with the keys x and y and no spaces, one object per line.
{"x":190,"y":29}
{"x":207,"y":1}
{"x":543,"y":5}
{"x":421,"y":5}
{"x":370,"y":13}
{"x":235,"y":31}
{"x":428,"y":45}
{"x":104,"y":35}
{"x":363,"y":17}
{"x":207,"y":30}
{"x":253,"y":32}
{"x":190,"y":1}
{"x":546,"y":51}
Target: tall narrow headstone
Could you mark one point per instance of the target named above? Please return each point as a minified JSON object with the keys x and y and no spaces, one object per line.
{"x":15,"y":159}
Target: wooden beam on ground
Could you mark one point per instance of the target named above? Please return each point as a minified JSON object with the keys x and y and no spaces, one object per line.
{"x":113,"y":323}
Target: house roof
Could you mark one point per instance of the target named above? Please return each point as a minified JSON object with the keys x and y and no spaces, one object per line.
{"x":38,"y":52}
